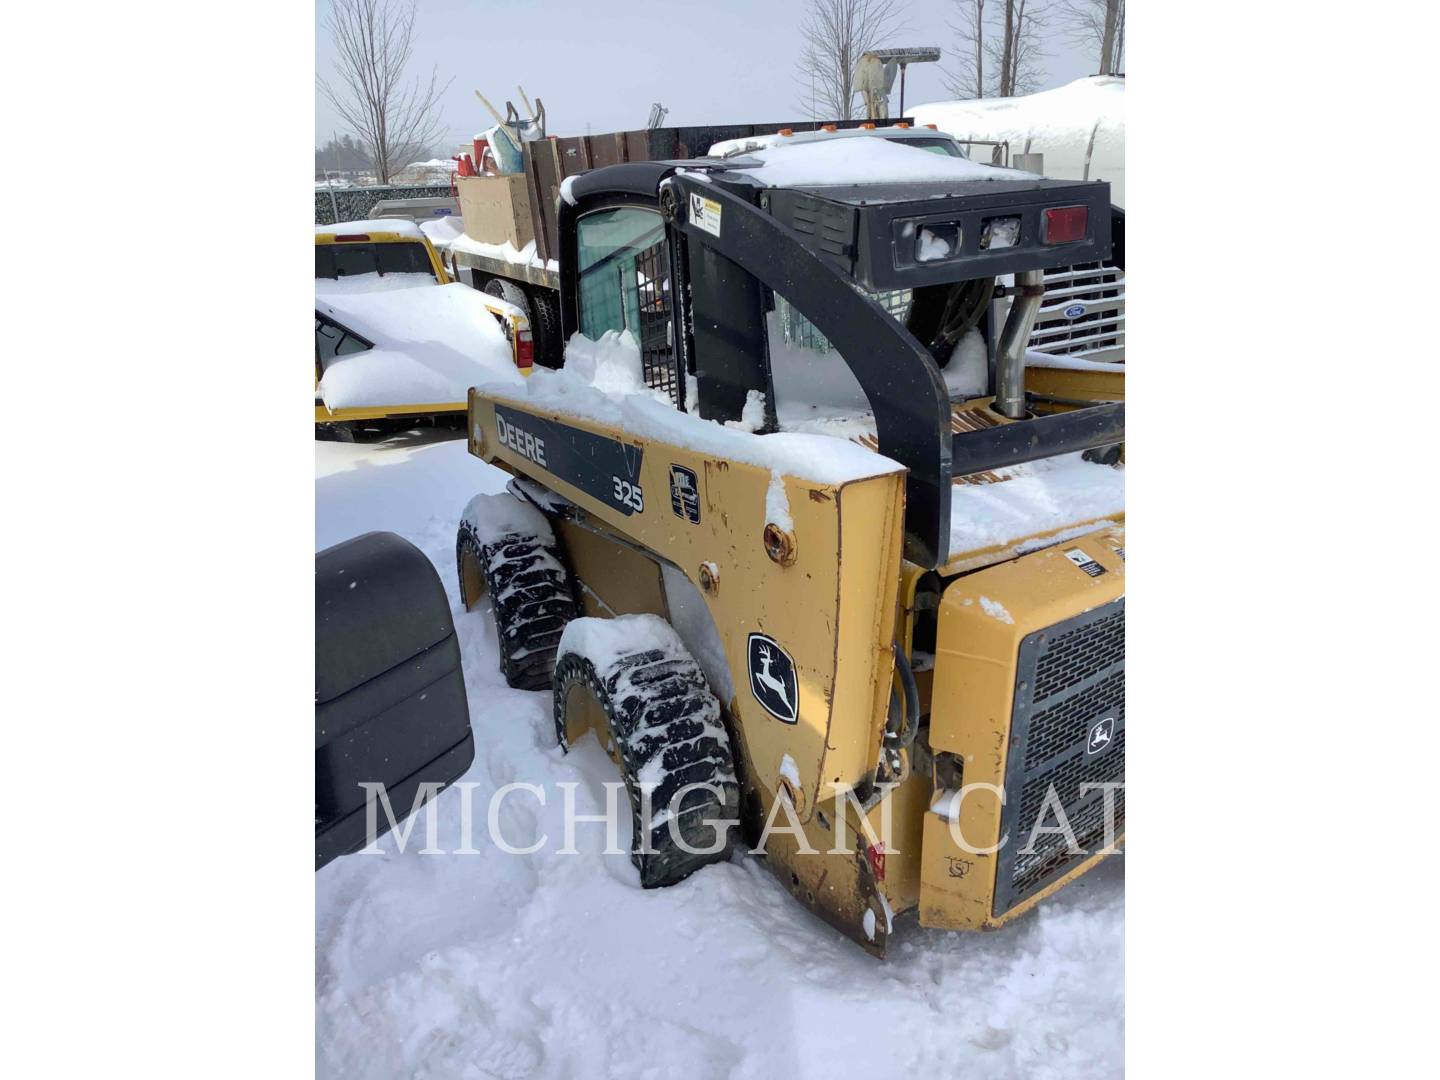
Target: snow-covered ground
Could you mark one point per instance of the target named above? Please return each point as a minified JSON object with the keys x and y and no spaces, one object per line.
{"x":550,"y":966}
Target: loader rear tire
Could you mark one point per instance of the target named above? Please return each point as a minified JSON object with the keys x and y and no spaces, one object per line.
{"x":530,"y":596}
{"x":664,"y":730}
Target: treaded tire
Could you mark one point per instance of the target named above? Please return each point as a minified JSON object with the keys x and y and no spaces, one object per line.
{"x":508,"y":291}
{"x":666,"y":726}
{"x":531,"y":600}
{"x":545,"y":326}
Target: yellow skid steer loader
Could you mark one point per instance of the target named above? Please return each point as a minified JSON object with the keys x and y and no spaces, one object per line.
{"x":883,"y":641}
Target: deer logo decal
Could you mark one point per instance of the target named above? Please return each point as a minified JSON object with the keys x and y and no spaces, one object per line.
{"x":1101,"y":732}
{"x":772,"y":678}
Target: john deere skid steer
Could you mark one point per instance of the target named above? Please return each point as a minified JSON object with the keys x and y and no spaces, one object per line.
{"x":893,"y":621}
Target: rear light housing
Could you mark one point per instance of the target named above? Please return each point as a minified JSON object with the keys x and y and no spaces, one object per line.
{"x":524,"y":351}
{"x":1065,"y":224}
{"x":353,"y":238}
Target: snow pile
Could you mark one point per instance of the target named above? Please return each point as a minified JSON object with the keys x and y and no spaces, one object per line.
{"x":1037,"y":497}
{"x":551,"y":966}
{"x":573,"y":391}
{"x":1066,"y":362}
{"x":752,"y":413}
{"x":611,"y":365}
{"x":506,"y":252}
{"x":396,"y":226}
{"x":967,"y":374}
{"x":430,"y":346}
{"x":863,"y":161}
{"x":1058,"y":123}
{"x":443,"y":231}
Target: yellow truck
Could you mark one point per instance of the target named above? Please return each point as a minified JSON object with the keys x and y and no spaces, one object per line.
{"x":396,"y":341}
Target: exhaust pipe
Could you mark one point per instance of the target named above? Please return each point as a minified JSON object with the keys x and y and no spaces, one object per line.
{"x":1010,"y":356}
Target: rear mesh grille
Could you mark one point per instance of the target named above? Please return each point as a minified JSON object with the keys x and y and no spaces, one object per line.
{"x":1073,"y":655}
{"x":1070,"y":689}
{"x":1056,"y":729}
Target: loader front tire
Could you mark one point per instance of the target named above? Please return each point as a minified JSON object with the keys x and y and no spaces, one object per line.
{"x":654,"y":714}
{"x":530,"y":595}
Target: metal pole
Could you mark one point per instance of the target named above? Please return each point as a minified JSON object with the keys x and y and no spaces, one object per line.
{"x":902,"y":90}
{"x":1010,"y":357}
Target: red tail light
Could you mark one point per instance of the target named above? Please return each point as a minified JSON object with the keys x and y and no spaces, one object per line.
{"x":352,"y":238}
{"x":1066,"y":224}
{"x":524,"y":350}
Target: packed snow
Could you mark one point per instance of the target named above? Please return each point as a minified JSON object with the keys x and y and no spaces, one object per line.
{"x":967,"y":375}
{"x":862,"y":161}
{"x":371,"y":283}
{"x":1084,"y":117}
{"x":494,"y":517}
{"x":578,"y":390}
{"x":430,"y":346}
{"x":1037,"y":497}
{"x":555,"y":966}
{"x":505,"y":252}
{"x":443,"y":231}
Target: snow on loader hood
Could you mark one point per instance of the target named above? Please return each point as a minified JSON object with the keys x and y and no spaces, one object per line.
{"x":861,"y":161}
{"x":431,"y":346}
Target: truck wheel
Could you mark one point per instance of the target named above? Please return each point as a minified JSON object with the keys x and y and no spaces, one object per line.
{"x":509,"y":292}
{"x":335,"y":432}
{"x":505,"y":547}
{"x":545,"y":326}
{"x":652,"y":711}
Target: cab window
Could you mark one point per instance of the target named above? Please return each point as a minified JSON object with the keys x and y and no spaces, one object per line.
{"x":332,"y":340}
{"x":624,"y":284}
{"x":610,"y":244}
{"x":349,"y":260}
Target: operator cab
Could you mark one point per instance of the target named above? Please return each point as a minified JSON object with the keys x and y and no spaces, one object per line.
{"x":810,"y":287}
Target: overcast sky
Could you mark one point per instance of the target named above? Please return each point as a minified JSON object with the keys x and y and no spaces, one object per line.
{"x":603,"y":63}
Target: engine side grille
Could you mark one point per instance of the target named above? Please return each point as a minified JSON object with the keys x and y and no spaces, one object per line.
{"x":1067,"y":732}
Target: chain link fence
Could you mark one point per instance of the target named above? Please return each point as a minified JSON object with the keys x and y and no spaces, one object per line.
{"x":353,"y":204}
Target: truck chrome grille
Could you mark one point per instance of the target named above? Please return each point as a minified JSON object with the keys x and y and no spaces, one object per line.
{"x":1083,"y":311}
{"x":1070,"y":691}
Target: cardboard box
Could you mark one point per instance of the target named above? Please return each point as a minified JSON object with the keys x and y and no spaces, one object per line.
{"x":496,"y":209}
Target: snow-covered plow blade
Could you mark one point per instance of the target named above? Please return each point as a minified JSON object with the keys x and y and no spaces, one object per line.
{"x":390,"y":704}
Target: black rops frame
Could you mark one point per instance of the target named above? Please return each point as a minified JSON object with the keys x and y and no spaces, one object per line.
{"x":718,"y":286}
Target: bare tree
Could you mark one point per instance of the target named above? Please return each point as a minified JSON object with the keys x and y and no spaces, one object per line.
{"x":967,"y":79}
{"x":1018,"y":54}
{"x":394,"y":119}
{"x":1100,"y":25}
{"x":836,"y":33}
